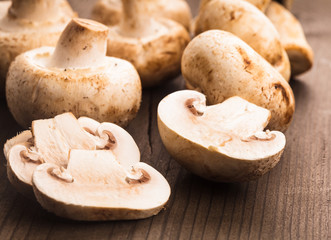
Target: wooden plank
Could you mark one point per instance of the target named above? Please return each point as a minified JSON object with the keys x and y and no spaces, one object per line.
{"x":291,"y":202}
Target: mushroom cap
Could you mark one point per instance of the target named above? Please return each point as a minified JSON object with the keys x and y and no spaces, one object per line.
{"x":19,"y":35}
{"x":100,"y":188}
{"x":156,"y":56}
{"x":221,"y":65}
{"x":36,"y":91}
{"x":248,"y":23}
{"x":292,"y":38}
{"x":109,"y":12}
{"x":223,"y":142}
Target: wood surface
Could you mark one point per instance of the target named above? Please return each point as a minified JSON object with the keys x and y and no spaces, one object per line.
{"x":291,"y":202}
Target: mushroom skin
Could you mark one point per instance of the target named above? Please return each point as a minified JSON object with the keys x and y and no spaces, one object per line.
{"x":28,"y":24}
{"x":153,"y":46}
{"x":221,"y":65}
{"x":292,"y":38}
{"x":109,"y":12}
{"x":74,"y":77}
{"x":220,"y":143}
{"x":248,"y":23}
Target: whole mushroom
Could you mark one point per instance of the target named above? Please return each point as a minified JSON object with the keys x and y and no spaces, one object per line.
{"x":76,"y":77}
{"x":28,"y":24}
{"x":110,"y":12}
{"x":153,"y":45}
{"x":248,"y":23}
{"x":260,"y":4}
{"x":292,"y":38}
{"x":221,"y":65}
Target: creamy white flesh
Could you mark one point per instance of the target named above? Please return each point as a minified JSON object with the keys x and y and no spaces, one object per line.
{"x":125,"y":149}
{"x":100,"y":181}
{"x":234,"y":127}
{"x":55,"y":137}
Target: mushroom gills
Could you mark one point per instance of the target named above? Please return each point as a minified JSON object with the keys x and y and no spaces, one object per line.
{"x":101,"y":188}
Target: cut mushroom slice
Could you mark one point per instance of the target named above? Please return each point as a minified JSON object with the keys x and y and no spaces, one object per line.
{"x":153,"y":45}
{"x":225,"y":142}
{"x":96,"y":187}
{"x":28,"y":24}
{"x":76,"y":77}
{"x":22,"y":137}
{"x":292,"y":37}
{"x":109,"y":12}
{"x":115,"y":138}
{"x":249,"y":24}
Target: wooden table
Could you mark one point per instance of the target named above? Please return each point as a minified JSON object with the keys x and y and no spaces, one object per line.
{"x":291,"y":202}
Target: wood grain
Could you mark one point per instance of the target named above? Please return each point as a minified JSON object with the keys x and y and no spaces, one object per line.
{"x":291,"y":202}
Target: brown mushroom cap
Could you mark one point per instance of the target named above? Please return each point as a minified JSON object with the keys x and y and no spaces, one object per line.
{"x":260,"y":4}
{"x":96,"y":187}
{"x":109,"y":12}
{"x":74,"y":77}
{"x":292,"y":38}
{"x":153,"y":46}
{"x":248,"y":23}
{"x":222,"y":142}
{"x":26,"y":25}
{"x":221,"y":65}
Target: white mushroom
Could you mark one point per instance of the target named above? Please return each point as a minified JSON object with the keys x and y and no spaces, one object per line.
{"x":75,"y":77}
{"x":292,"y":37}
{"x":224,"y":142}
{"x":248,"y":23}
{"x":28,"y":24}
{"x":109,"y":12}
{"x":221,"y":65}
{"x":153,"y":46}
{"x":96,"y":187}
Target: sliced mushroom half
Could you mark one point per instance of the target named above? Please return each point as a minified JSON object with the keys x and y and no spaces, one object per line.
{"x":96,"y":187}
{"x":223,"y":142}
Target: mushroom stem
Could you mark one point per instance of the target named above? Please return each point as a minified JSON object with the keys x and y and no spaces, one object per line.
{"x":82,"y":43}
{"x":35,"y":10}
{"x":133,"y":22}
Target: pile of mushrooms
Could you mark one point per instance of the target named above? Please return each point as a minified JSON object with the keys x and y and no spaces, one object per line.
{"x":28,"y":24}
{"x":84,"y":170}
{"x":76,"y":77}
{"x":239,"y":63}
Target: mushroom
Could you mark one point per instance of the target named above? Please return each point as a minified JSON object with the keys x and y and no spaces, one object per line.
{"x":221,"y":65}
{"x":153,"y":46}
{"x":50,"y":141}
{"x":96,"y":187}
{"x":75,"y":77}
{"x":292,"y":38}
{"x":28,"y":24}
{"x":223,"y":142}
{"x":248,"y":23}
{"x":110,"y":12}
{"x":260,"y":4}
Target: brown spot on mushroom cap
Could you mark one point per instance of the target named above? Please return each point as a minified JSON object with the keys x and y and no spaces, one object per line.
{"x":285,"y":97}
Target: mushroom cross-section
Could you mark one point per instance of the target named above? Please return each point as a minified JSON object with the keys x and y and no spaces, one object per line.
{"x":223,"y":142}
{"x":76,"y":77}
{"x":153,"y":45}
{"x":96,"y":187}
{"x":28,"y":24}
{"x":50,"y":141}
